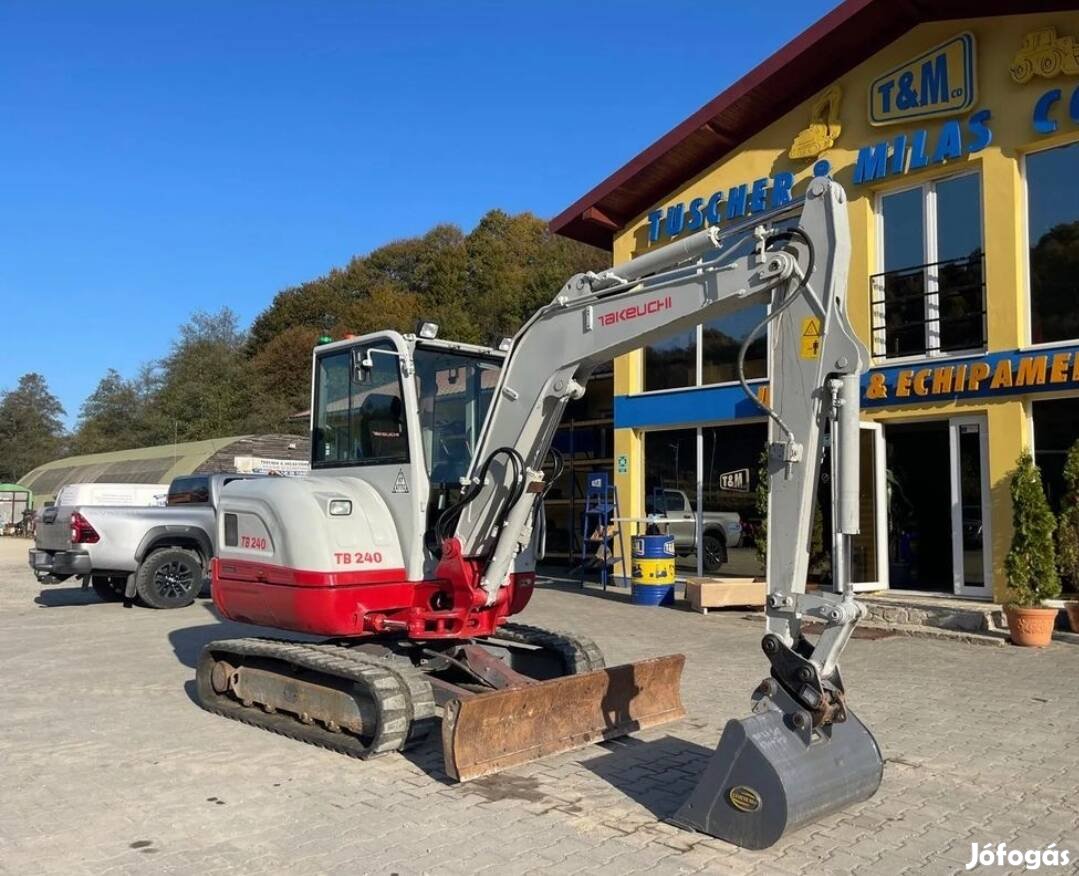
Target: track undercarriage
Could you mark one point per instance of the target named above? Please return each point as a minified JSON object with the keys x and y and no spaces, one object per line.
{"x":503,"y":700}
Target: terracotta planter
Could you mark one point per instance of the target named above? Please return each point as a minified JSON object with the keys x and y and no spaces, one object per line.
{"x":1031,"y":627}
{"x":1072,"y":608}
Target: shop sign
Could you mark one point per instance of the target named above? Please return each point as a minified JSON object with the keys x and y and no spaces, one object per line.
{"x":909,"y":152}
{"x":735,"y":481}
{"x":940,"y":82}
{"x":263,"y":465}
{"x":1043,"y":117}
{"x":1010,"y":373}
{"x":824,"y":127}
{"x":1043,"y":53}
{"x":765,"y":193}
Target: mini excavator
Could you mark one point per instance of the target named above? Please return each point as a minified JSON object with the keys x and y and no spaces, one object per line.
{"x":413,"y":540}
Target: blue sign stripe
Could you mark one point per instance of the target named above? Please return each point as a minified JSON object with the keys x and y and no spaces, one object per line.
{"x":709,"y":404}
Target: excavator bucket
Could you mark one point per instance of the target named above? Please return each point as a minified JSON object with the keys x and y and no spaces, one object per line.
{"x":767,"y":778}
{"x":494,"y":731}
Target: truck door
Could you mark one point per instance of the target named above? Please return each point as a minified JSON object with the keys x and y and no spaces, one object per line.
{"x":682,"y":520}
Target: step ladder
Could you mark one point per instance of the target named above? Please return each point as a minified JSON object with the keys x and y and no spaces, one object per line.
{"x":601,"y":535}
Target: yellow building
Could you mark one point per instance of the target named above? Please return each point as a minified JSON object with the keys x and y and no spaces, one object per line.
{"x":957,"y":141}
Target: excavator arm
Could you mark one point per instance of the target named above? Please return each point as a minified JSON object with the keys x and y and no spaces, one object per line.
{"x":814,"y":362}
{"x":802,"y":753}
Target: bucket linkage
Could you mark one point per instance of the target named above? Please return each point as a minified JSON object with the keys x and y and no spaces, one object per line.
{"x":801,"y":755}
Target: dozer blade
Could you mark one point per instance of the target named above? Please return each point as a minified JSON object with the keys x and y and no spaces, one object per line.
{"x":493,"y":731}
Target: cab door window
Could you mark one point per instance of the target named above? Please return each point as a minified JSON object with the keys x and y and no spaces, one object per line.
{"x":359,"y":412}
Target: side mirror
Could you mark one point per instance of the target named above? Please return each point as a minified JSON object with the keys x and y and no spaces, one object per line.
{"x":362,"y":363}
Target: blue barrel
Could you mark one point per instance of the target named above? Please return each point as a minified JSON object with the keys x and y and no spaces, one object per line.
{"x":653,"y":570}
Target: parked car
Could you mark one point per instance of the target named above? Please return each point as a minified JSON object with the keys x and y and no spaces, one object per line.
{"x":159,"y":555}
{"x":721,"y":530}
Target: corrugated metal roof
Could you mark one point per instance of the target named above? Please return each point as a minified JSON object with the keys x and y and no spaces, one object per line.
{"x":160,"y":464}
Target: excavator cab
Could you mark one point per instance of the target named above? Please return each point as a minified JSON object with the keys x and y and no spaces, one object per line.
{"x":404,"y":414}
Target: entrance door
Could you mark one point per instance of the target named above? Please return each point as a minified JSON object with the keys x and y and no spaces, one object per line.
{"x":920,"y":543}
{"x":970,"y":506}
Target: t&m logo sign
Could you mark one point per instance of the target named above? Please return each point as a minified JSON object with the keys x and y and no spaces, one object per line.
{"x":939,"y":83}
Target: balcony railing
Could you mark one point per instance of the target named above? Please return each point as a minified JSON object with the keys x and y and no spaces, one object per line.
{"x":930,"y":309}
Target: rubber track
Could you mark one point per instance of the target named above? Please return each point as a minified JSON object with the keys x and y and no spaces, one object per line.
{"x":579,"y":654}
{"x":403,"y":699}
{"x":421,"y":698}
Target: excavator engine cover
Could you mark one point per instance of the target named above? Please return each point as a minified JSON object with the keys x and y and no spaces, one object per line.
{"x":767,"y":778}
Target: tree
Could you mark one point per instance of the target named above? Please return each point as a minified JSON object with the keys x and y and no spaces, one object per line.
{"x":282,"y":369}
{"x":111,"y":418}
{"x":476,"y":286}
{"x":207,"y":386}
{"x":1031,"y":561}
{"x":1068,"y":522}
{"x":219,"y":380}
{"x":31,"y":431}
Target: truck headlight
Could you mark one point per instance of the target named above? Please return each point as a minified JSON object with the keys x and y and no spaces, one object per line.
{"x":340,"y":507}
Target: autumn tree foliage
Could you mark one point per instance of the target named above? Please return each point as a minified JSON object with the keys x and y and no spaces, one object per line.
{"x":219,"y":379}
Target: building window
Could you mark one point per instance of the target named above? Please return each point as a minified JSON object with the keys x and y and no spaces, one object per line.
{"x":930,"y":298}
{"x":672,"y":364}
{"x":675,"y":363}
{"x":1053,"y":236}
{"x":1055,"y":431}
{"x":727,"y":479}
{"x":720,"y":341}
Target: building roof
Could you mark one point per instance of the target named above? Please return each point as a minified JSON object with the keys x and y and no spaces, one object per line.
{"x":841,"y":40}
{"x":160,"y":464}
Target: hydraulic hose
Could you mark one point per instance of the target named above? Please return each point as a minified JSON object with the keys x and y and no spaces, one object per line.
{"x":774,"y":314}
{"x":454,"y":511}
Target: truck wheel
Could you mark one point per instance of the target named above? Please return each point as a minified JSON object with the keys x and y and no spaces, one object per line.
{"x":169,"y":578}
{"x":715,"y":552}
{"x":110,"y":588}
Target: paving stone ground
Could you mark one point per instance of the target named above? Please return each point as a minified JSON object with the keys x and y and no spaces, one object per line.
{"x":108,"y":766}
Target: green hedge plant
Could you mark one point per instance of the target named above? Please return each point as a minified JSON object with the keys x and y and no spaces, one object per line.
{"x":1068,"y":522}
{"x":1031,"y":562}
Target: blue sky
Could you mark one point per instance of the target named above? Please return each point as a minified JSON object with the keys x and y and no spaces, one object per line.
{"x":163,"y":157}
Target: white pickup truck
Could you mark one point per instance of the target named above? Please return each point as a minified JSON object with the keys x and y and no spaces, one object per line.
{"x":159,"y":555}
{"x":721,"y":529}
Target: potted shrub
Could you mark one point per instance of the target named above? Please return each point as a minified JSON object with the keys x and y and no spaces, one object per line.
{"x":1068,"y":534}
{"x":1031,"y":562}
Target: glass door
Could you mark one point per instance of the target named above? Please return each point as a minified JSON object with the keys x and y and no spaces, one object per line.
{"x":868,"y":556}
{"x":970,"y":506}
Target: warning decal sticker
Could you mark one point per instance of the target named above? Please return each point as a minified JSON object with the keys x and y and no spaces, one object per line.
{"x":811,"y":338}
{"x":400,"y":485}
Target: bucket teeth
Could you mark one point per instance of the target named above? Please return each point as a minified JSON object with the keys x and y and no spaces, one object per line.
{"x":494,"y":731}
